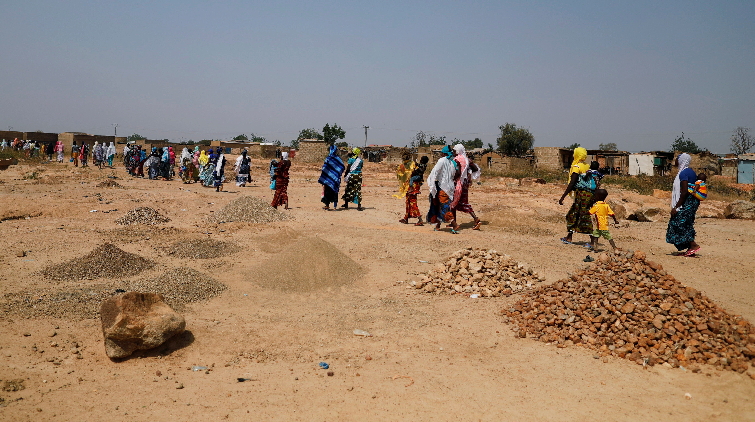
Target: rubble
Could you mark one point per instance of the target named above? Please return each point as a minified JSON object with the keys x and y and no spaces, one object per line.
{"x":107,"y":260}
{"x":626,"y":306}
{"x":487,"y":273}
{"x":249,"y":209}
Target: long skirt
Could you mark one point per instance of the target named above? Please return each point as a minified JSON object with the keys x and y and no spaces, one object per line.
{"x":154,"y":170}
{"x":218,"y":178}
{"x":329,"y":196}
{"x":60,"y":156}
{"x":463,"y":204}
{"x":281,"y":193}
{"x":110,"y":160}
{"x":353,"y":191}
{"x":241,"y":179}
{"x":440,"y":209}
{"x":578,"y":218}
{"x":207,"y":175}
{"x":681,"y":227}
{"x":412,"y":210}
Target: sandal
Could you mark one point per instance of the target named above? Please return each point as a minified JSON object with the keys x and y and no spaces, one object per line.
{"x":454,"y":231}
{"x":563,"y":240}
{"x":477,"y":225}
{"x":419,"y":223}
{"x":403,"y":221}
{"x":692,"y":252}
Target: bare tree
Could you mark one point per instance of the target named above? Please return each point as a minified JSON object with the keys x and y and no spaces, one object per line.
{"x":741,"y":141}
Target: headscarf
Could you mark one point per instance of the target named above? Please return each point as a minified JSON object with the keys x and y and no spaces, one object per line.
{"x":578,"y":165}
{"x":166,"y":155}
{"x":404,"y":173}
{"x":195,"y":157}
{"x":356,"y":151}
{"x":284,"y":155}
{"x":111,"y":149}
{"x":196,"y":148}
{"x":273,"y":166}
{"x":683,"y":159}
{"x":185,"y":155}
{"x":447,"y":150}
{"x":203,"y":158}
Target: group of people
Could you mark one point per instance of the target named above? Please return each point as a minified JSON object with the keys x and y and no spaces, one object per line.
{"x":100,"y":153}
{"x":330,"y":179}
{"x":205,"y":167}
{"x":590,"y":204}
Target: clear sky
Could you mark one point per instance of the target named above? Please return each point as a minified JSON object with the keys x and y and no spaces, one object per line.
{"x":637,"y":73}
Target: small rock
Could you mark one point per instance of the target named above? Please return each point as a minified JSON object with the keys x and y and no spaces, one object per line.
{"x":52,"y":334}
{"x":180,"y":386}
{"x":330,"y":373}
{"x":21,"y":254}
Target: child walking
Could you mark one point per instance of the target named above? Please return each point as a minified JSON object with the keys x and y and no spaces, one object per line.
{"x":601,"y":211}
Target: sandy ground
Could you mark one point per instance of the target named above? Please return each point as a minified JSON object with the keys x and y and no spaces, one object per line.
{"x":430,"y":357}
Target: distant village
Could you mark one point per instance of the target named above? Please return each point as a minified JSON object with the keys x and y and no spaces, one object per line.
{"x":740,"y":168}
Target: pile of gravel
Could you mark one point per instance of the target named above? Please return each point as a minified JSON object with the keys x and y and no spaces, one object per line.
{"x":625,"y":306}
{"x":180,"y":287}
{"x":202,"y":249}
{"x":109,"y":184}
{"x":478,"y":271}
{"x":248,"y":209}
{"x":106,"y":260}
{"x":142,"y":215}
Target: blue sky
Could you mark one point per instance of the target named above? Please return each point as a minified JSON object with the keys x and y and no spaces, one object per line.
{"x":635,"y":73}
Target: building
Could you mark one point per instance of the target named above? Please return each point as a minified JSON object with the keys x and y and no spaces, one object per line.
{"x":553,"y":158}
{"x":496,"y":162}
{"x":610,"y":162}
{"x":650,"y":163}
{"x":312,"y":151}
{"x":746,"y":169}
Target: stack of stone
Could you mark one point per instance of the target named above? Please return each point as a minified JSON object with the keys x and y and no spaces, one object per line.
{"x":624,"y":305}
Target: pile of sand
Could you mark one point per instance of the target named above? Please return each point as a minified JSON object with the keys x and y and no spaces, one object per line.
{"x":106,"y":260}
{"x":180,"y":286}
{"x":248,"y":209}
{"x":202,"y":249}
{"x":307,"y":264}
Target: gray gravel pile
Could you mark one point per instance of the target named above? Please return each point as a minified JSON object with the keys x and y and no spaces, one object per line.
{"x":180,"y":287}
{"x":478,"y":271}
{"x":142,"y":215}
{"x":248,"y":209}
{"x":202,"y":249}
{"x":106,"y":260}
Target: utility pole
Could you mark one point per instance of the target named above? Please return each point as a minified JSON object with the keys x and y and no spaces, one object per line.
{"x":115,"y":129}
{"x":365,"y":135}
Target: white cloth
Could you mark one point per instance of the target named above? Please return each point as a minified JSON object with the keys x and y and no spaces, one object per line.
{"x":237,"y":166}
{"x":463,"y":160}
{"x":219,"y":165}
{"x":110,"y":150}
{"x":443,"y":173}
{"x":185,"y":154}
{"x":125,"y":150}
{"x":684,"y":159}
{"x":284,"y":155}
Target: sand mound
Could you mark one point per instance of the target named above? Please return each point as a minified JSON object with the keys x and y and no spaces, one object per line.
{"x":308,"y":264}
{"x":626,"y":306}
{"x":248,"y":209}
{"x":106,"y":260}
{"x":180,"y":287}
{"x":142,"y":215}
{"x":202,"y":249}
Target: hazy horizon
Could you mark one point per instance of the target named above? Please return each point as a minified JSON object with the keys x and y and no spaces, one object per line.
{"x":636,"y":74}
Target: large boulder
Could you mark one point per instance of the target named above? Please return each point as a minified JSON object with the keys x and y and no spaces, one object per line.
{"x":740,"y":209}
{"x":710,"y":210}
{"x":137,"y":321}
{"x":618,"y":209}
{"x":647,"y":215}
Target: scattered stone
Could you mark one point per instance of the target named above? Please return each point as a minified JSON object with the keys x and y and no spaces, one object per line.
{"x":13,"y":385}
{"x":180,"y":386}
{"x":106,"y":260}
{"x":628,"y":307}
{"x":137,"y":321}
{"x":142,"y":215}
{"x":330,"y":373}
{"x":109,"y":184}
{"x":248,"y":209}
{"x":647,"y":215}
{"x":21,"y":254}
{"x":486,"y":273}
{"x":27,"y":334}
{"x":52,"y":333}
{"x":741,"y":210}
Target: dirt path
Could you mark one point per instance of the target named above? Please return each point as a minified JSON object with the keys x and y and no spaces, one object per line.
{"x":429,"y":357}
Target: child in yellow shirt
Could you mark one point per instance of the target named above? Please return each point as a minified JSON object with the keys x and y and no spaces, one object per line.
{"x":601,"y":211}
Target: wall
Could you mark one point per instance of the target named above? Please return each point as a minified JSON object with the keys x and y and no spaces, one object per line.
{"x":10,"y":135}
{"x":496,"y":162}
{"x":312,"y":151}
{"x":746,"y":169}
{"x":641,"y":164}
{"x":702,"y":163}
{"x":552,"y":158}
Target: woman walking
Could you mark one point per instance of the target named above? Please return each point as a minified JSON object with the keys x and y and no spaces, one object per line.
{"x":58,"y":149}
{"x":242,"y":169}
{"x":469,"y":171}
{"x":208,"y":178}
{"x":442,"y":187}
{"x":353,"y":191}
{"x":681,"y":226}
{"x":84,"y":155}
{"x":330,"y":178}
{"x":404,"y":173}
{"x":75,"y":154}
{"x":219,"y":173}
{"x":578,"y":219}
{"x":153,"y":164}
{"x":110,"y":154}
{"x":281,"y":182}
{"x":185,"y":165}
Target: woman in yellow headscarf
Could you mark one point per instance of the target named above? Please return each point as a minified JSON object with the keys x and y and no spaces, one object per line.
{"x":404,"y":173}
{"x":578,"y":218}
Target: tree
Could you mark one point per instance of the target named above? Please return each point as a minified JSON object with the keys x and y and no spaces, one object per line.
{"x":295,"y":144}
{"x":257,"y":138}
{"x":573,"y":146}
{"x":419,"y":140}
{"x":468,"y":144}
{"x":205,"y":142}
{"x":342,"y":144}
{"x":436,"y":140}
{"x":134,"y":137}
{"x":683,"y":144}
{"x":310,"y":133}
{"x":741,"y":141}
{"x":514,"y":141}
{"x":611,"y":146}
{"x":332,"y":133}
{"x":241,"y":137}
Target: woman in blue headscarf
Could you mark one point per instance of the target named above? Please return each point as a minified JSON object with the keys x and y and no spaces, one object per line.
{"x":165,"y":164}
{"x":442,"y":186}
{"x":330,"y":178}
{"x":353,"y":191}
